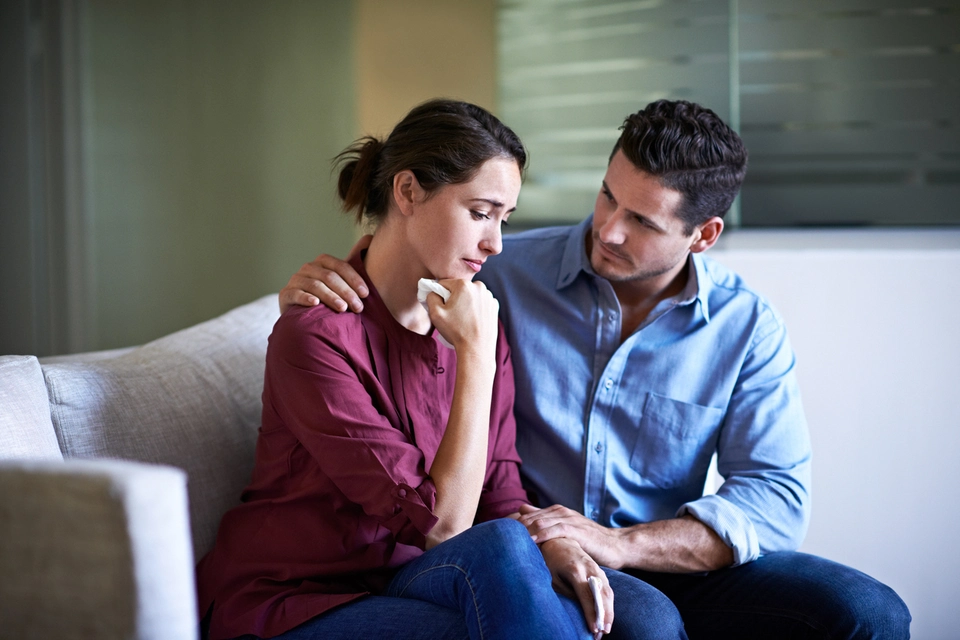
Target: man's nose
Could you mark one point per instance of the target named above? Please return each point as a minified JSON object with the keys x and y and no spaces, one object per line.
{"x":612,"y":232}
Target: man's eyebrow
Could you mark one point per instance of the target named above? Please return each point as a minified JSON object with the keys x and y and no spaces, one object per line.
{"x":636,"y":214}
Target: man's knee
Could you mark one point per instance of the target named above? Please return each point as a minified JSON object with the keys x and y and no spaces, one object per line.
{"x":853,"y":604}
{"x":876,"y":611}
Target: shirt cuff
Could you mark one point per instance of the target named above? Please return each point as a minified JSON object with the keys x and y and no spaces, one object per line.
{"x":413,"y":518}
{"x":729,"y":522}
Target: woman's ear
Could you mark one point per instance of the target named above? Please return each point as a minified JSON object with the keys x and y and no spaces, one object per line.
{"x":407,"y":192}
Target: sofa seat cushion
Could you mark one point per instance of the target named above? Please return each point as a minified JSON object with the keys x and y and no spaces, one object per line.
{"x":25,"y":427}
{"x":191,"y":399}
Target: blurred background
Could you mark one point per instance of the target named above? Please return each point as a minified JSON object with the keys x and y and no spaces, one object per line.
{"x":164,"y":161}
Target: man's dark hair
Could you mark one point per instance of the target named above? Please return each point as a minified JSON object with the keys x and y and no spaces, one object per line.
{"x":441,"y":141}
{"x":691,"y":150}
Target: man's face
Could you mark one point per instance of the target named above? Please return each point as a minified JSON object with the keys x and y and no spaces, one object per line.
{"x":636,"y":233}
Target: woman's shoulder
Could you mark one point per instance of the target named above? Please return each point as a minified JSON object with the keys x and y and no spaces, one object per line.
{"x":310,"y":329}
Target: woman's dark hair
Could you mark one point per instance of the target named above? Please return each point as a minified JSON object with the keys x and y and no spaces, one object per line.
{"x":692,"y":151}
{"x":441,"y":141}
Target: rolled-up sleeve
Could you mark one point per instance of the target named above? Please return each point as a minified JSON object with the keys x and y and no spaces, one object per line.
{"x":763,"y":454}
{"x":337,"y":411}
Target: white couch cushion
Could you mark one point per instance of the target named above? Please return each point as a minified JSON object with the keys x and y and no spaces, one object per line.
{"x":25,"y":427}
{"x":95,"y":549}
{"x":191,"y":399}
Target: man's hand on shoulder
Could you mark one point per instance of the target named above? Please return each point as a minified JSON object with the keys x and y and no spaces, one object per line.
{"x":327,"y":280}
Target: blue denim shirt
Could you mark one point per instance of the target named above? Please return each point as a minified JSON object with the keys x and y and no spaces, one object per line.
{"x":624,"y":433}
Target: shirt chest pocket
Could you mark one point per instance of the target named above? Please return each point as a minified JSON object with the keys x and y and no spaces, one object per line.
{"x":675,"y":441}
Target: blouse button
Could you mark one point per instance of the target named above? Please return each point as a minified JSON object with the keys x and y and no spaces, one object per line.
{"x":402,"y":493}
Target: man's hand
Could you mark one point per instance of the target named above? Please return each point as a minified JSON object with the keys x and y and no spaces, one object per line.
{"x":328,"y":280}
{"x":675,"y":545}
{"x":603,"y":544}
{"x":570,"y":567}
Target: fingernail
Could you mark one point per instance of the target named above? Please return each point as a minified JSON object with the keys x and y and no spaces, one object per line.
{"x":340,"y":305}
{"x":362,"y":291}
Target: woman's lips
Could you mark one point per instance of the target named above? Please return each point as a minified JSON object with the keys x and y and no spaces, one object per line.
{"x":474,"y":264}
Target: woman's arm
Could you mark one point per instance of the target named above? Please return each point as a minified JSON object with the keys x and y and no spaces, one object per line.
{"x":468,"y":321}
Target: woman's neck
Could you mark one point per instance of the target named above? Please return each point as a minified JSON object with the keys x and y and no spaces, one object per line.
{"x":395,"y":277}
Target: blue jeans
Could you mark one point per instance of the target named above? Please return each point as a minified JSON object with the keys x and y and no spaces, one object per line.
{"x":782,"y":595}
{"x":488,"y":582}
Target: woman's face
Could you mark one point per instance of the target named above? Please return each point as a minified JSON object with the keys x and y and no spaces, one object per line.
{"x":457,"y":227}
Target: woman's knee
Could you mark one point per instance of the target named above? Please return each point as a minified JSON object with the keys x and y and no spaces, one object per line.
{"x":508,"y":539}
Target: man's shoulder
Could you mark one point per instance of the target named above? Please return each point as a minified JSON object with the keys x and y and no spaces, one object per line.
{"x":725,"y":287}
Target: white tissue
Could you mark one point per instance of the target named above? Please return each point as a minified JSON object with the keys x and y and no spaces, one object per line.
{"x":595,"y":585}
{"x":426,"y":286}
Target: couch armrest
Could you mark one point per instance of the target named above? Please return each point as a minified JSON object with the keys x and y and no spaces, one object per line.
{"x":95,"y":549}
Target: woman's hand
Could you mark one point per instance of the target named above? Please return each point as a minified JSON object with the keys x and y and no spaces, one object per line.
{"x":570,"y":567}
{"x":327,"y":280}
{"x":468,"y":319}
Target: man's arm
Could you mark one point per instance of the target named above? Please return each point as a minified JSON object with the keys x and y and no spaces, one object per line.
{"x":327,"y":280}
{"x":677,"y":545}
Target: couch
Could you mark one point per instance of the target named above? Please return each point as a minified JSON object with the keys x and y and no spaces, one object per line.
{"x":115,"y":469}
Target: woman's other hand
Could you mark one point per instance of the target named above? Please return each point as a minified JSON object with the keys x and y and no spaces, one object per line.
{"x":570,"y":567}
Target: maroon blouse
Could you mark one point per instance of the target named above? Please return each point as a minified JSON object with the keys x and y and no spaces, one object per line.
{"x":354,"y":407}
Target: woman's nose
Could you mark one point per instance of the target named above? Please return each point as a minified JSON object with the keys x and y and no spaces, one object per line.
{"x":492,"y":243}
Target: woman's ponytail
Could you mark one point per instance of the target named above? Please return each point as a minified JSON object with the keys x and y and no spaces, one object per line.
{"x":358,"y":167}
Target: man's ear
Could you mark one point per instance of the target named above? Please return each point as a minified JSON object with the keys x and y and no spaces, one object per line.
{"x":709,"y":233}
{"x":407,"y":191}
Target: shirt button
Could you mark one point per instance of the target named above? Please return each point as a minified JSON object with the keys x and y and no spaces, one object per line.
{"x":402,"y":493}
{"x":612,"y":318}
{"x":608,"y":384}
{"x":595,"y":515}
{"x":599,"y":447}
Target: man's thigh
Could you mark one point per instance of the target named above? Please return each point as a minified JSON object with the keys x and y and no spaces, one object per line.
{"x":784,"y":595}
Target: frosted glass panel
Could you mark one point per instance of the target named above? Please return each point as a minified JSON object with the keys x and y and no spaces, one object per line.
{"x":849,"y":107}
{"x":571,"y":70}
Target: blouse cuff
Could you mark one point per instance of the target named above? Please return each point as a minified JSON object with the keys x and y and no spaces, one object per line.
{"x":413,"y":518}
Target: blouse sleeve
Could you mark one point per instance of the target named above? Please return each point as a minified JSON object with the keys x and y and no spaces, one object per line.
{"x":315,"y":387}
{"x":502,"y":492}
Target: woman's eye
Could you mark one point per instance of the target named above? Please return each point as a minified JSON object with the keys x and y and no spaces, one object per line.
{"x":504,"y":223}
{"x":479,"y":216}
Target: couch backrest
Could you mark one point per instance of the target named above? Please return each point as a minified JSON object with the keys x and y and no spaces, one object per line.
{"x":191,"y":399}
{"x":25,"y":427}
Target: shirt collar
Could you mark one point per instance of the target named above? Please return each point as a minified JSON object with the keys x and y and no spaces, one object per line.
{"x":575,"y":260}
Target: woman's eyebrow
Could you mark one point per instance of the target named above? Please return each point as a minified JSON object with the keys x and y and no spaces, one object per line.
{"x":493,"y":203}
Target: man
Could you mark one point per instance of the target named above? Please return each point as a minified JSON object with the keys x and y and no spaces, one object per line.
{"x":637,"y":358}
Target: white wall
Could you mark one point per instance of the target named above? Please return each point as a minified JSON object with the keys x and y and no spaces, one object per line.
{"x":873,"y":317}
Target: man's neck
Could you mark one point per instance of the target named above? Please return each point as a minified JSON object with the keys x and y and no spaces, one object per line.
{"x":638,"y":298}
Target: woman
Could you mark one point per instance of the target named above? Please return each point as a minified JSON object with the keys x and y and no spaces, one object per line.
{"x":380,"y":448}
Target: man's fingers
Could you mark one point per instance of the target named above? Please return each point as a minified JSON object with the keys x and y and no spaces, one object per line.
{"x":290,"y":297}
